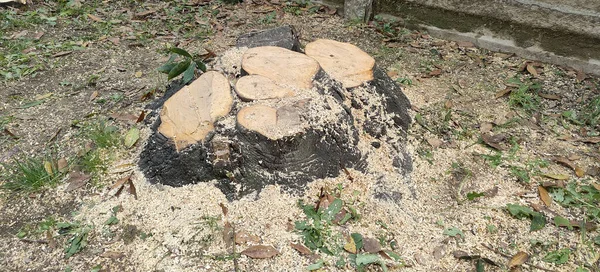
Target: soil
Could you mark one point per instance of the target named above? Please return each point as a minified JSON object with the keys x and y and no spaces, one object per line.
{"x":453,"y":89}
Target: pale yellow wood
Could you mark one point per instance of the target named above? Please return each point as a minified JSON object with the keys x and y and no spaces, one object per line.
{"x":284,"y":67}
{"x":258,"y":118}
{"x":342,"y":61}
{"x":188,"y":116}
{"x":256,"y":87}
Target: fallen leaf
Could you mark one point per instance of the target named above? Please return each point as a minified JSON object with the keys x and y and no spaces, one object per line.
{"x":597,"y":186}
{"x":228,"y":236}
{"x":124,"y":117}
{"x":301,"y":249}
{"x":574,"y":157}
{"x":435,"y":73}
{"x":519,"y":259}
{"x":371,"y":245}
{"x":138,"y":74}
{"x":557,"y":184}
{"x":62,"y":165}
{"x":112,"y":254}
{"x":224,"y":209}
{"x":76,"y":180}
{"x":465,"y":44}
{"x":392,"y":74}
{"x":504,"y":92}
{"x":132,"y":136}
{"x":62,"y":53}
{"x":48,"y":167}
{"x":95,"y":18}
{"x":549,"y":96}
{"x":114,"y":40}
{"x":493,"y":140}
{"x":434,"y":142}
{"x":532,"y":70}
{"x":438,"y":252}
{"x":556,"y":176}
{"x":93,"y":96}
{"x":448,"y":104}
{"x":350,"y":245}
{"x":260,"y":252}
{"x":121,"y":182}
{"x":590,"y":140}
{"x":131,"y":189}
{"x":485,"y":127}
{"x":579,"y":172}
{"x":544,"y":196}
{"x":51,"y":241}
{"x":243,"y":237}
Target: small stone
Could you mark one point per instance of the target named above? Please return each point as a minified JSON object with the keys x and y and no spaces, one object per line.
{"x":376,"y":144}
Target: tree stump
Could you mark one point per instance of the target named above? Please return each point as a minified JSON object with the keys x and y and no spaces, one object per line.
{"x":283,"y":117}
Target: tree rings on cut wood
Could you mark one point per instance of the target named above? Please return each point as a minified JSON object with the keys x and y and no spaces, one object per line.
{"x":342,"y":61}
{"x":282,"y":66}
{"x":256,"y":87}
{"x":188,"y":116}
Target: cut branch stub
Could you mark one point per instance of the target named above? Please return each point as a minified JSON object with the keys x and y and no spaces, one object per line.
{"x":188,"y":116}
{"x":256,"y":87}
{"x":282,"y":66}
{"x":342,"y":61}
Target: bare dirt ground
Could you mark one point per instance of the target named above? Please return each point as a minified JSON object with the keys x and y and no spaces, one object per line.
{"x":489,"y":129}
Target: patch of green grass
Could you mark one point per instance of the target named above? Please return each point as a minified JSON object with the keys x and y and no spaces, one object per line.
{"x":269,"y":18}
{"x":92,"y":162}
{"x":30,"y":175}
{"x":525,"y":96}
{"x":589,"y":115}
{"x":103,"y":135}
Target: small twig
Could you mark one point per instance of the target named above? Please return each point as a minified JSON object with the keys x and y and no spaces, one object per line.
{"x":510,"y":257}
{"x":33,"y":241}
{"x":350,"y":178}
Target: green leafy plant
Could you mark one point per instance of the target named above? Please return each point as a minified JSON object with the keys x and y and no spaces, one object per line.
{"x":558,"y":256}
{"x":525,"y":96}
{"x":579,"y":196}
{"x":538,"y":220}
{"x":182,"y":62}
{"x":78,"y":239}
{"x":103,"y":135}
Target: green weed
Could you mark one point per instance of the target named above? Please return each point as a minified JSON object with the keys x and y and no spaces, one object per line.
{"x":102,"y":135}
{"x":30,"y":175}
{"x":525,"y":96}
{"x":186,"y":65}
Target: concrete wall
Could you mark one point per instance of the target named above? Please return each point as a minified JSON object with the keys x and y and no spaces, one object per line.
{"x":560,"y":31}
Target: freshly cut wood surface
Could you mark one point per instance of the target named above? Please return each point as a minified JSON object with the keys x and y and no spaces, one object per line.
{"x":342,"y":61}
{"x":270,"y":122}
{"x":188,"y":116}
{"x":282,"y":66}
{"x":257,"y":87}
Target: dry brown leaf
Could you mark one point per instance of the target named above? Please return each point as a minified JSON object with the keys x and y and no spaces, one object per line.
{"x":141,"y":117}
{"x":493,"y":140}
{"x":51,"y":241}
{"x":532,"y":70}
{"x":435,"y":73}
{"x":61,"y":53}
{"x":121,"y":182}
{"x":590,"y":140}
{"x":485,"y":127}
{"x":434,"y":142}
{"x":544,"y":196}
{"x":76,"y":180}
{"x":62,"y":165}
{"x":504,"y":92}
{"x":38,"y":35}
{"x":596,"y":185}
{"x":243,"y":237}
{"x":579,"y":172}
{"x":95,"y":18}
{"x":557,"y":184}
{"x":371,"y":245}
{"x":549,"y":96}
{"x":124,"y":117}
{"x":339,"y":216}
{"x":228,"y":236}
{"x":392,"y":74}
{"x":223,"y":209}
{"x":556,"y":176}
{"x":301,"y":249}
{"x":131,"y":189}
{"x":448,"y":104}
{"x":93,"y":96}
{"x":112,"y":254}
{"x":260,"y":252}
{"x":519,"y":259}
